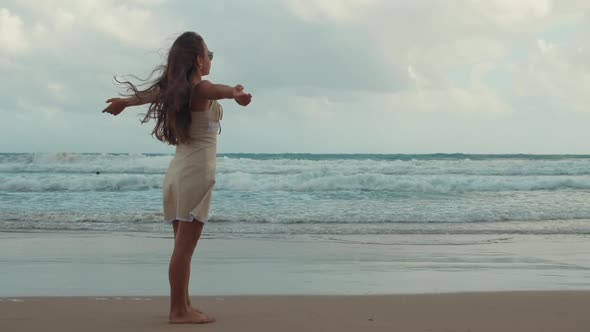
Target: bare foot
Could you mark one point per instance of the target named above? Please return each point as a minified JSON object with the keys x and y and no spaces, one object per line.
{"x":190,"y":317}
{"x":190,"y":307}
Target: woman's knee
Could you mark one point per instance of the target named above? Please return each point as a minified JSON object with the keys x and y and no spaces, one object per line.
{"x":189,"y":232}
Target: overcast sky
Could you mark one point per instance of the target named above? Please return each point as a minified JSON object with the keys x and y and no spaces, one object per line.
{"x":327,"y":76}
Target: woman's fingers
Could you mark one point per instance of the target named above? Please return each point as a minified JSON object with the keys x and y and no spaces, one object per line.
{"x":115,"y":107}
{"x":110,"y":110}
{"x":244,"y":99}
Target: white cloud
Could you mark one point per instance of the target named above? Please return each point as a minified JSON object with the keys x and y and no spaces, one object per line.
{"x":556,"y":77}
{"x":129,"y":22}
{"x":389,"y":70}
{"x":64,"y":19}
{"x":321,"y":10}
{"x":511,"y":11}
{"x":58,"y":90}
{"x":12,"y":34}
{"x":452,"y":99}
{"x":544,"y":46}
{"x":130,"y":25}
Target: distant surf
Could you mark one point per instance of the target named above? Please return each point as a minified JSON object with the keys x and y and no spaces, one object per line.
{"x":306,"y":193}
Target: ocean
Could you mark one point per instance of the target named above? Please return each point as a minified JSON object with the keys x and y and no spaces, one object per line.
{"x":91,"y":224}
{"x":305,"y":195}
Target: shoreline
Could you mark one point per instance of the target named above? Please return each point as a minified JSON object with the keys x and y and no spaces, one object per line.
{"x":55,"y":264}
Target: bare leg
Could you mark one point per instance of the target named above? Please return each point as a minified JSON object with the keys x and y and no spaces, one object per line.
{"x":185,"y":242}
{"x":188,"y":298}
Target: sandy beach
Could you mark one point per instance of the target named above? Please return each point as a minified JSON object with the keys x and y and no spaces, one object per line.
{"x":461,"y":312}
{"x":401,"y":166}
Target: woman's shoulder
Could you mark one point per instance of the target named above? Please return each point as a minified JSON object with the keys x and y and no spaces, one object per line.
{"x":198,"y":102}
{"x":203,"y":84}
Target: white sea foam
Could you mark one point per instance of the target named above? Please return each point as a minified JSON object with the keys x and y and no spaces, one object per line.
{"x":301,"y":194}
{"x":78,"y":172}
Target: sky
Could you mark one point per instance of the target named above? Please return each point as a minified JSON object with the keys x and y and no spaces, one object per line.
{"x":327,"y":76}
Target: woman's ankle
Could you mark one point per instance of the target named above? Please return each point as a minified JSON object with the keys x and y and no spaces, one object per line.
{"x":179,"y":310}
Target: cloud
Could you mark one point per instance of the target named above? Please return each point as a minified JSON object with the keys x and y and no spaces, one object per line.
{"x":320,"y":11}
{"x":68,"y":51}
{"x":65,"y":22}
{"x":387,"y":71}
{"x":58,"y":90}
{"x":130,"y":25}
{"x":556,"y":76}
{"x":12,"y":34}
{"x":510,"y":12}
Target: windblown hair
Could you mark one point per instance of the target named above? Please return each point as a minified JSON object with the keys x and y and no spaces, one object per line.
{"x":170,"y":108}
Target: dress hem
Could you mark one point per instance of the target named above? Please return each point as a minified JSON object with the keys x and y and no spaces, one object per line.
{"x":195,"y":218}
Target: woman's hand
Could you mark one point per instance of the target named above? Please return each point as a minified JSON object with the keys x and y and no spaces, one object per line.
{"x":117,"y":106}
{"x":240,"y":96}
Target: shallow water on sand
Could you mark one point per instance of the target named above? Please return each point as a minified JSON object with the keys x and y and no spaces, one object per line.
{"x":101,"y":264}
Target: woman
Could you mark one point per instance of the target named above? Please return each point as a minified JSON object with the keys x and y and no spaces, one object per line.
{"x":188,"y":116}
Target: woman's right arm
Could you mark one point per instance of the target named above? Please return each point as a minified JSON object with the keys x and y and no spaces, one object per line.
{"x":146,"y":97}
{"x":118,"y":105}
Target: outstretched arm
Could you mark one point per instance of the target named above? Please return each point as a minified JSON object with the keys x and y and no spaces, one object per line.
{"x":118,"y":105}
{"x":143,"y":98}
{"x":210,"y":91}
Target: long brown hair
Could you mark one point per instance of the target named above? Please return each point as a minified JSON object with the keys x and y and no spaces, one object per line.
{"x":170,"y":108}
